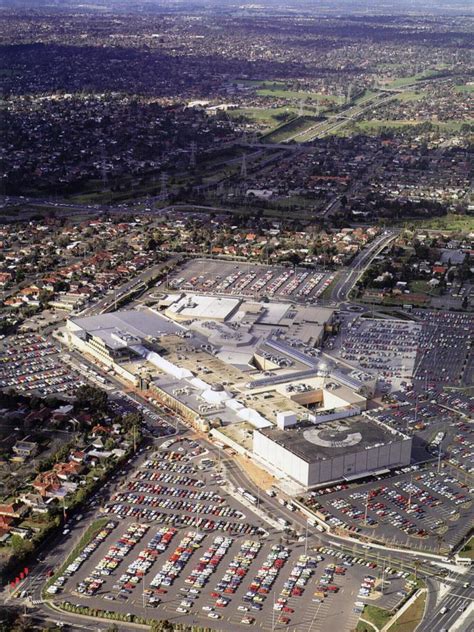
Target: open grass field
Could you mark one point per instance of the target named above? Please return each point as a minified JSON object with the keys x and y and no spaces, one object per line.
{"x":283,"y":133}
{"x":377,"y":616}
{"x":375,"y":125}
{"x":451,"y":222}
{"x":422,"y":287}
{"x":409,"y":620}
{"x":265,"y":116}
{"x":468,"y":549}
{"x":469,"y":87}
{"x":404,"y":81}
{"x":291,"y":95}
{"x":410,"y":95}
{"x":281,"y":90}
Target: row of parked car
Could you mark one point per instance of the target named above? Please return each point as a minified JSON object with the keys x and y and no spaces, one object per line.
{"x":209,"y":562}
{"x":352,"y":512}
{"x":34,"y":364}
{"x":239,"y":566}
{"x":221,"y":510}
{"x":326,"y":582}
{"x":330,"y":518}
{"x":367,"y":586}
{"x":172,"y":568}
{"x":167,"y":477}
{"x":111,"y":560}
{"x":176,"y":492}
{"x":160,"y":459}
{"x":442,"y":484}
{"x":194,"y":522}
{"x":346,"y":558}
{"x":83,"y":556}
{"x":296,"y":583}
{"x":266,"y":576}
{"x":142,"y":564}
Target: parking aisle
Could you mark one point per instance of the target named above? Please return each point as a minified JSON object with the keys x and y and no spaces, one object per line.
{"x":315,"y":617}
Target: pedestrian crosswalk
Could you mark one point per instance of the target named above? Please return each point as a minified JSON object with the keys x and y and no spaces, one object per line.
{"x":37,"y":602}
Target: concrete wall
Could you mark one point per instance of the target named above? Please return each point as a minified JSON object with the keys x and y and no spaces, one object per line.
{"x":337,"y":414}
{"x":331,"y":400}
{"x":220,"y":436}
{"x":395,"y":454}
{"x":385,"y":456}
{"x":280,"y":458}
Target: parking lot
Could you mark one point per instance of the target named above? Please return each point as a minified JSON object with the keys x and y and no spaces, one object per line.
{"x":158,"y":424}
{"x":420,"y":507}
{"x":435,"y":351}
{"x":187,"y":575}
{"x":251,"y":280}
{"x":32,"y":364}
{"x":408,"y":413}
{"x":386,"y":347}
{"x":445,"y":350}
{"x":441,"y":423}
{"x":177,"y":486}
{"x":211,"y":559}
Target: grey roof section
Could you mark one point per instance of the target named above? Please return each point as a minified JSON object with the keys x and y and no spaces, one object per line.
{"x":293,"y":439}
{"x":292,"y":352}
{"x":138,"y":323}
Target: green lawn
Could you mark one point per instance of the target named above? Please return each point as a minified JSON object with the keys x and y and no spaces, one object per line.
{"x":468,"y":549}
{"x":296,"y":126}
{"x":458,"y":223}
{"x":279,"y":89}
{"x":367,"y":94}
{"x":267,"y":116}
{"x":466,"y":88}
{"x":292,"y":95}
{"x":269,"y":83}
{"x":378,"y":616}
{"x":410,"y":95}
{"x":403,"y":81}
{"x":412,"y":616}
{"x":422,"y":287}
{"x":375,"y":125}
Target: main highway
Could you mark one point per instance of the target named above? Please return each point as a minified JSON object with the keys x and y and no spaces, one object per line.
{"x":347,"y":279}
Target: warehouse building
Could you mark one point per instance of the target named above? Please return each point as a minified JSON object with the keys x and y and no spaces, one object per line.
{"x":344,"y":449}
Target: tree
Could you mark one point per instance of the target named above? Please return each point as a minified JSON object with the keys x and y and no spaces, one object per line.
{"x":161,"y":626}
{"x":91,"y":397}
{"x":20,"y":547}
{"x":131,"y":420}
{"x":151,"y":245}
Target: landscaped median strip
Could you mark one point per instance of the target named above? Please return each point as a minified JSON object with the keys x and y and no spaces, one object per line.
{"x":406,"y":619}
{"x":92,"y":614}
{"x":410,"y":614}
